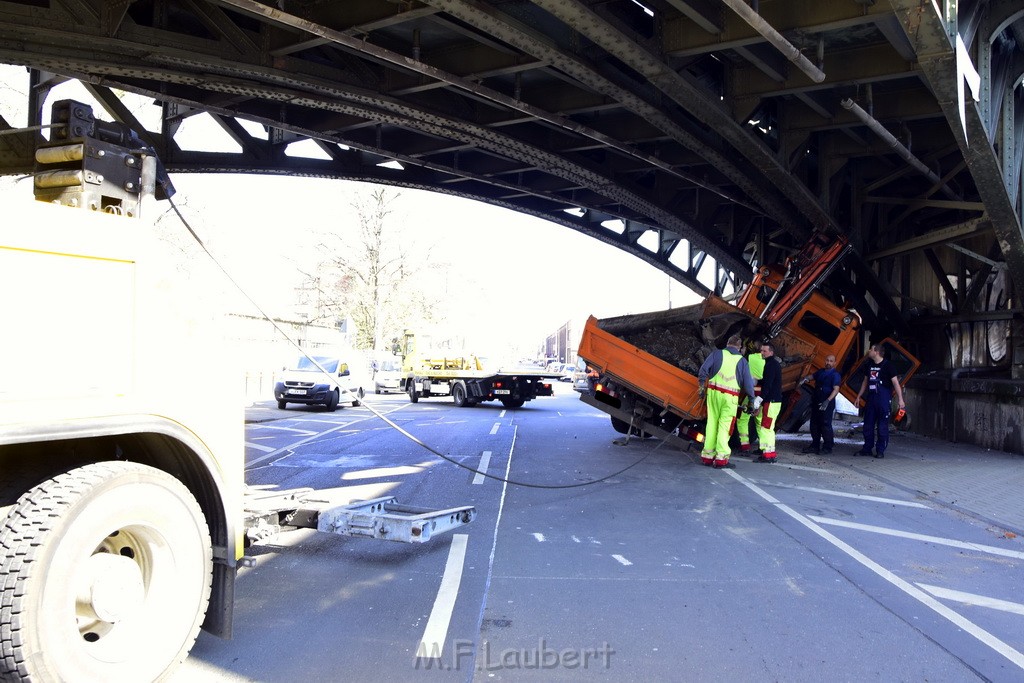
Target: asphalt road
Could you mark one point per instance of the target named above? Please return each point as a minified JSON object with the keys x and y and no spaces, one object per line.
{"x":666,"y":571}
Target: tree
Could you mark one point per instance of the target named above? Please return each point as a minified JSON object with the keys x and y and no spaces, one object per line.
{"x":368,"y":272}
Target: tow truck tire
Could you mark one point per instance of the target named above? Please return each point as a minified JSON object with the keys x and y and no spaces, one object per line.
{"x":413,"y":396}
{"x":512,"y":403}
{"x":332,"y":402}
{"x":106,"y":576}
{"x":459,"y":394}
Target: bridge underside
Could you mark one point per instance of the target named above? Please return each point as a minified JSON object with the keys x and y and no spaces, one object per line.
{"x":701,"y":136}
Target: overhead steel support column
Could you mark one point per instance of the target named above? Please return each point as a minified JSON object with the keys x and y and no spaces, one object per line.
{"x":937,"y":56}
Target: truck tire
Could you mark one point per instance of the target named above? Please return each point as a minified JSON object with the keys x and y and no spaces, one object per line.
{"x":623,"y":427}
{"x":332,"y":402}
{"x":359,"y":394}
{"x":281,"y":405}
{"x":106,"y":576}
{"x":413,"y":396}
{"x":512,"y":403}
{"x":459,"y":394}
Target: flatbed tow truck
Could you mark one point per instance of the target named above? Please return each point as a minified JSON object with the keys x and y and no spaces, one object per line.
{"x":124,"y":514}
{"x":467,"y":378}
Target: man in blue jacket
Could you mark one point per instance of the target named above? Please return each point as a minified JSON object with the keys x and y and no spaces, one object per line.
{"x":827,"y":382}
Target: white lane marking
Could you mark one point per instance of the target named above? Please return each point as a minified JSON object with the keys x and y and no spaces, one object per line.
{"x":785,"y":464}
{"x":494,"y":429}
{"x":381,"y":472}
{"x":539,"y":537}
{"x":575,"y":539}
{"x":259,"y":447}
{"x":485,"y":460}
{"x":991,"y":549}
{"x":436,"y":630}
{"x":312,"y":436}
{"x":908,"y":588}
{"x":972,"y":599}
{"x":842,"y":494}
{"x":621,"y":560}
{"x":501,"y":414}
{"x":279,"y":428}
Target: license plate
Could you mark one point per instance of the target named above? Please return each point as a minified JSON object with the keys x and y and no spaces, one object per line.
{"x":297,"y":392}
{"x":502,"y":391}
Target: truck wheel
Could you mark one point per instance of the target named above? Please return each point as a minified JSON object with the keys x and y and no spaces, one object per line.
{"x":413,"y":396}
{"x":512,"y":403}
{"x":281,"y":405}
{"x":359,"y":397}
{"x":107,"y":579}
{"x":459,"y":395}
{"x":622,"y":427}
{"x":332,"y":402}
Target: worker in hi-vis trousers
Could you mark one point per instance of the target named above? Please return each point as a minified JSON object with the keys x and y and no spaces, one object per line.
{"x":771,"y":403}
{"x":743,"y":417}
{"x":721,"y":378}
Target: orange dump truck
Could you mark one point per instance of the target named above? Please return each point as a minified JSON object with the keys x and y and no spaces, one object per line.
{"x":647,"y":363}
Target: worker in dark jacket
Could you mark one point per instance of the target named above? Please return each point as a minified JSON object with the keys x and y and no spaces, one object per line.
{"x":771,"y":403}
{"x":880,"y":381}
{"x":744,"y":419}
{"x":721,"y":378}
{"x":827,"y":382}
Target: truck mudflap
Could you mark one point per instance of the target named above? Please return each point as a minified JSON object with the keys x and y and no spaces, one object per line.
{"x":269,"y":511}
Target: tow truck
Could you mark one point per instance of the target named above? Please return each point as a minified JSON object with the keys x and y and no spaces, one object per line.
{"x":124,"y":515}
{"x":467,"y":378}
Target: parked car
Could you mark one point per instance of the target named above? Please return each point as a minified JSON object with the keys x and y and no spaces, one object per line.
{"x":388,"y":375}
{"x":566,"y":371}
{"x":303,"y":382}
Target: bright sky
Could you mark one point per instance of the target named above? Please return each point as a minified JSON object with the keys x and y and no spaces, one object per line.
{"x":518,"y":278}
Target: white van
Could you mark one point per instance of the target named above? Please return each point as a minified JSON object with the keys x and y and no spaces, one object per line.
{"x":387,"y":375}
{"x":304,"y":382}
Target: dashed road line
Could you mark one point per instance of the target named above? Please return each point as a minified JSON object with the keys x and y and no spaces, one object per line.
{"x":972,"y":599}
{"x":485,"y":460}
{"x":621,"y":560}
{"x":991,"y":549}
{"x":540,"y":537}
{"x":436,"y":630}
{"x":494,"y":429}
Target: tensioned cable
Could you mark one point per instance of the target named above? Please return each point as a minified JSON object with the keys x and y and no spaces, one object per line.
{"x":383,"y":417}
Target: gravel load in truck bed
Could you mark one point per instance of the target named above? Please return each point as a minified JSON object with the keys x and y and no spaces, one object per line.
{"x":685,"y":336}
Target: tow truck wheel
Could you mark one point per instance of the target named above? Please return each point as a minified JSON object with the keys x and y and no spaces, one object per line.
{"x":459,"y":395}
{"x":413,"y":396}
{"x":109,"y":578}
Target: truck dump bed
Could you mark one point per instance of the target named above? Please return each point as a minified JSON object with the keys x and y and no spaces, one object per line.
{"x":656,"y":356}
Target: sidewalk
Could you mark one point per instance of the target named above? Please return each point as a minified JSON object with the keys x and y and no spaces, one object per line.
{"x":985,"y":484}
